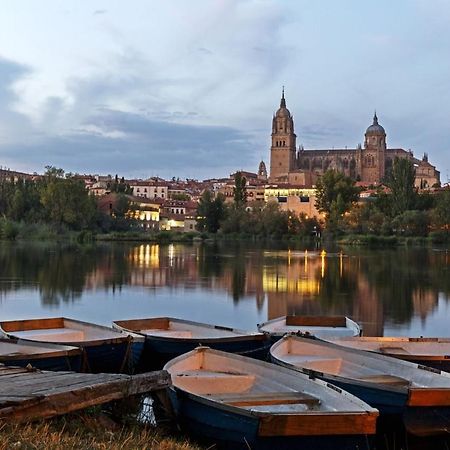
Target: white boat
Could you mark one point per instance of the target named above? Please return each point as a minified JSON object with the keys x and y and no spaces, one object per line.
{"x":432,"y":352}
{"x":229,"y":397}
{"x":319,"y":326}
{"x":420,"y":394}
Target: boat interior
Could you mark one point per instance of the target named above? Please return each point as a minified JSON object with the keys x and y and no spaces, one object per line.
{"x":13,"y":349}
{"x":57,"y":329}
{"x":177,"y":328}
{"x":344,"y":362}
{"x":233,"y":381}
{"x":336,"y":326}
{"x":398,"y":345}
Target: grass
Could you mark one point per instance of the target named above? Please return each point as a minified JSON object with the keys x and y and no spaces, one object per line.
{"x":88,"y":431}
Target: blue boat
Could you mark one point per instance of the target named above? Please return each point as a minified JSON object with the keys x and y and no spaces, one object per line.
{"x":248,"y":403}
{"x":104,"y":349}
{"x":421,"y":395}
{"x":14,"y":352}
{"x":168,"y":337}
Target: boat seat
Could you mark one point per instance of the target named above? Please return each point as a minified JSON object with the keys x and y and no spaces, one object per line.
{"x":209,"y":382}
{"x":386,"y":379}
{"x":394,"y":350}
{"x":52,"y":335}
{"x":317,"y":363}
{"x":268,"y":398}
{"x":180,"y":334}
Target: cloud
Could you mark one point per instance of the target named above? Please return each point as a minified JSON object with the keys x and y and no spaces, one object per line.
{"x":99,"y":12}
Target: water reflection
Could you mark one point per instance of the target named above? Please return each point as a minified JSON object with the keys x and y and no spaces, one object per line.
{"x":390,"y":289}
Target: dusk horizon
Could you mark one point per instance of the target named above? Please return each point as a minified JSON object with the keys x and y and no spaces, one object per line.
{"x":189,"y":90}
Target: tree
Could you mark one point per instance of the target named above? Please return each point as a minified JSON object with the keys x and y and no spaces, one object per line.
{"x":402,"y":186}
{"x":335,"y":192}
{"x":211,"y":211}
{"x":239,"y":191}
{"x":441,"y":213}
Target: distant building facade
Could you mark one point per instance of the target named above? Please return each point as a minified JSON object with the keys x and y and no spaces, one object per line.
{"x":369,"y":164}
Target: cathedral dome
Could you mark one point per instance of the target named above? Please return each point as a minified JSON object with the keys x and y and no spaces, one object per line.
{"x":375,"y":128}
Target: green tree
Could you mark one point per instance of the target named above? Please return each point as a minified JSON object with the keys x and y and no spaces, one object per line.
{"x":239,"y":190}
{"x":335,"y":193}
{"x":402,"y":187}
{"x":211,"y":212}
{"x":441,"y":213}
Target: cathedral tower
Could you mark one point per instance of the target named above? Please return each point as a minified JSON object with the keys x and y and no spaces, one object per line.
{"x":282,"y":151}
{"x":374,"y":153}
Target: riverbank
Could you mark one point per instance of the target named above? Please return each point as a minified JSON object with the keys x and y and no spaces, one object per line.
{"x":94,"y":431}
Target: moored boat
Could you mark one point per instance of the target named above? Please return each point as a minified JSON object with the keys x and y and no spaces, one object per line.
{"x":428,"y":351}
{"x":14,"y":352}
{"x":418,"y":393}
{"x":250,"y":403}
{"x":319,"y":326}
{"x":105,"y":349}
{"x":168,"y":337}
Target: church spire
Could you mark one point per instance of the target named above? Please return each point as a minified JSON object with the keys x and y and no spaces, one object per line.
{"x":283,"y":101}
{"x":375,"y":118}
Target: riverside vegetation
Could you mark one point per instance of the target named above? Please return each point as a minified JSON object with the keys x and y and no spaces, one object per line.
{"x":57,"y":205}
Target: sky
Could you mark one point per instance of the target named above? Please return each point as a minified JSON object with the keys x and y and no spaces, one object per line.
{"x":188,"y":88}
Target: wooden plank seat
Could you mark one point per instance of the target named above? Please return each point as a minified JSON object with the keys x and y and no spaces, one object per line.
{"x":208,"y":382}
{"x":394,"y":350}
{"x":267,"y":398}
{"x":385,"y":379}
{"x":52,"y":335}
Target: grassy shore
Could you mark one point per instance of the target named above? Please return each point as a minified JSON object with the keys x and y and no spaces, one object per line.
{"x":88,"y":431}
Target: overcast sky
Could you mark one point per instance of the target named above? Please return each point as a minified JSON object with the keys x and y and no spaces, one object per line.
{"x":188,"y":88}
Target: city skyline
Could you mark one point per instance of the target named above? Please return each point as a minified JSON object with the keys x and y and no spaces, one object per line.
{"x":178,"y":89}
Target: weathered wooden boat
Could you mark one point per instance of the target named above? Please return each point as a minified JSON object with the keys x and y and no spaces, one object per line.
{"x":419,"y":393}
{"x":319,"y":326}
{"x":14,"y":352}
{"x":250,"y":403}
{"x":168,"y":337}
{"x":105,"y":349}
{"x":432,"y":352}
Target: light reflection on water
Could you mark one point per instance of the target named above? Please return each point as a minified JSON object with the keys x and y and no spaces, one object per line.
{"x":395,"y":292}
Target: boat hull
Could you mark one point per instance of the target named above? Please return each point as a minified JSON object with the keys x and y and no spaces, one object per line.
{"x":159,"y":350}
{"x":243,"y":430}
{"x":54,"y":363}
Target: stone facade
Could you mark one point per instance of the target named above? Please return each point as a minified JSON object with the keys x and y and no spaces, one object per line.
{"x":369,"y":164}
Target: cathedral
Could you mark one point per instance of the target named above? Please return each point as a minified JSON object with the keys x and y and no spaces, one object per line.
{"x":368,"y":164}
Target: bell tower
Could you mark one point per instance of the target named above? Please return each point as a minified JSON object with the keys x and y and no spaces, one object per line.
{"x":282,"y":151}
{"x":374,"y":153}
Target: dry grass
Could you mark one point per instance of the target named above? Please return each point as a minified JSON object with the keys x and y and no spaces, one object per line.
{"x":85,"y":431}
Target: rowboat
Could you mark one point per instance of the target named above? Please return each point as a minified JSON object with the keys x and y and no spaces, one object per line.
{"x":319,"y":326}
{"x":105,"y":349}
{"x":250,"y":403}
{"x":421,"y":395}
{"x":432,"y":352}
{"x":14,"y":352}
{"x":168,"y":337}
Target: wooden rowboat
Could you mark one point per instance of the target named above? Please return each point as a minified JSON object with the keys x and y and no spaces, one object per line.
{"x":105,"y":349}
{"x":319,"y":326}
{"x":240,"y":400}
{"x":432,"y":352}
{"x":168,"y":337}
{"x":14,"y":352}
{"x":420,"y":394}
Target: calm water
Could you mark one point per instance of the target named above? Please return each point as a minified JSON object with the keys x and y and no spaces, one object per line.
{"x":390,"y":292}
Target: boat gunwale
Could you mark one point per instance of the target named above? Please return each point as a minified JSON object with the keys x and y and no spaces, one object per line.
{"x":241,"y":335}
{"x":64,"y":351}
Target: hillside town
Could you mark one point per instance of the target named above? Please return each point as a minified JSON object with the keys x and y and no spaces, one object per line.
{"x":171,"y":205}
